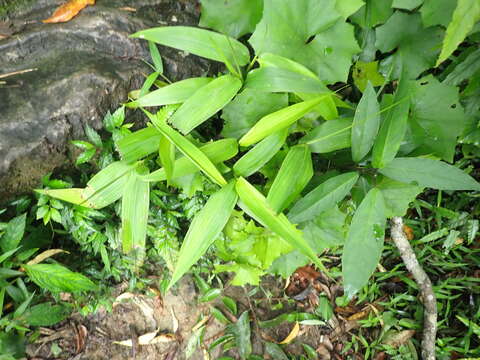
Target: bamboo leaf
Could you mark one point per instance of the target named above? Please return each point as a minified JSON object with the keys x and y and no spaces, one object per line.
{"x":204,"y":229}
{"x":167,"y":157}
{"x":279,"y":120}
{"x":429,"y":173}
{"x":135,"y":205}
{"x":188,"y":149}
{"x":393,"y":128}
{"x":260,"y":154}
{"x":330,"y":136}
{"x":364,"y":244}
{"x":139,"y":144}
{"x":174,"y":93}
{"x":205,"y":102}
{"x":255,"y":204}
{"x":72,"y":195}
{"x":365,"y":124}
{"x":204,"y":43}
{"x":216,"y":151}
{"x":325,"y":196}
{"x":294,"y":174}
{"x":156,"y":58}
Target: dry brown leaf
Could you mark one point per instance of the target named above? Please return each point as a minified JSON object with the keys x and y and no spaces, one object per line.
{"x":398,"y":338}
{"x":293,"y":334}
{"x":127,"y":8}
{"x":150,"y":338}
{"x":45,"y":255}
{"x":408,"y":232}
{"x":359,"y":315}
{"x":68,"y":11}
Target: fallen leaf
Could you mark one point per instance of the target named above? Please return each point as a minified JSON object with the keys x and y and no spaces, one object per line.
{"x":45,"y":255}
{"x":398,"y":338}
{"x":293,"y":334}
{"x":359,"y":315}
{"x":174,"y":321}
{"x":150,"y":338}
{"x":68,"y":11}
{"x":408,"y":232}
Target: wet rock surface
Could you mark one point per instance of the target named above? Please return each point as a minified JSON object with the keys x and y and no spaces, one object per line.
{"x":82,"y":69}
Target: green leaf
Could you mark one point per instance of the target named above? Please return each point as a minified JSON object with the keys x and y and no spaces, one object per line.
{"x":437,"y":12}
{"x":86,"y":156}
{"x":417,"y":48}
{"x":57,"y":278}
{"x":167,"y":157}
{"x":465,"y":70}
{"x":134,"y":215}
{"x":327,"y":230}
{"x":244,"y":273}
{"x":13,"y":233}
{"x":204,"y":43}
{"x":156,"y":58}
{"x":230,"y":304}
{"x":260,"y":154}
{"x":174,"y":93}
{"x":406,"y":4}
{"x":139,"y":144}
{"x":279,"y":120}
{"x":205,"y":102}
{"x":233,"y":17}
{"x":429,"y":173}
{"x":241,"y":331}
{"x":46,"y":314}
{"x":204,"y":229}
{"x":195,"y":155}
{"x":93,"y":136}
{"x":364,"y":72}
{"x":149,"y":81}
{"x":374,"y":12}
{"x":275,"y":351}
{"x":330,"y":136}
{"x":364,"y":243}
{"x":397,"y":196}
{"x":393,"y":127}
{"x":6,"y":254}
{"x":325,"y":196}
{"x":466,"y":14}
{"x":365,"y":124}
{"x":437,"y":116}
{"x":247,"y":108}
{"x":348,"y":7}
{"x":255,"y":204}
{"x":216,"y":151}
{"x":72,"y":195}
{"x":210,"y":294}
{"x":294,"y":174}
{"x":311,"y":32}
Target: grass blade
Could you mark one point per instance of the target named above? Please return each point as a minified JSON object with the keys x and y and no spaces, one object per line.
{"x":166,"y":152}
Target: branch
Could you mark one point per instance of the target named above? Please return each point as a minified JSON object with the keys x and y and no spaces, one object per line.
{"x":426,"y":290}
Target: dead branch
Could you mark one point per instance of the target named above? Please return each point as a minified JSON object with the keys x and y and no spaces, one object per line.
{"x":425,"y":285}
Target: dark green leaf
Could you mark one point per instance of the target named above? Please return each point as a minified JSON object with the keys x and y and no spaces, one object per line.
{"x":57,"y":278}
{"x":330,"y":136}
{"x":13,"y":233}
{"x":406,"y":4}
{"x":464,"y":70}
{"x":375,"y":12}
{"x":46,"y":314}
{"x":397,"y":196}
{"x":241,"y":331}
{"x":275,"y":351}
{"x":437,"y":12}
{"x":210,"y":295}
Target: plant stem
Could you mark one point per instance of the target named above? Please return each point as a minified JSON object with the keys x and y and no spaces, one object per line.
{"x":425,"y":285}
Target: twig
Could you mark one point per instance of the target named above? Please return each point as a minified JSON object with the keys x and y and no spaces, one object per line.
{"x":426,"y":289}
{"x":2,"y":76}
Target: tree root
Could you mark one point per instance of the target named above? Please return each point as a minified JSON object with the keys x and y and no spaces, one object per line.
{"x":426,"y":289}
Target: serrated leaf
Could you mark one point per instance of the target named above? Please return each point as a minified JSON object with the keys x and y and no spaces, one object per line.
{"x":13,"y":233}
{"x":174,"y":93}
{"x":365,"y":124}
{"x":217,"y":151}
{"x":46,"y":314}
{"x":329,"y":136}
{"x":260,"y":154}
{"x":294,"y":174}
{"x":188,"y":149}
{"x":233,"y":17}
{"x":205,"y":102}
{"x":429,"y":173}
{"x":57,"y":278}
{"x":204,"y":229}
{"x":93,"y":136}
{"x":314,"y":35}
{"x":279,"y":120}
{"x":247,"y":108}
{"x":325,"y":196}
{"x":241,"y":331}
{"x":393,"y":127}
{"x":255,"y":204}
{"x":364,"y":243}
{"x":466,"y":14}
{"x":134,"y":215}
{"x":204,"y":43}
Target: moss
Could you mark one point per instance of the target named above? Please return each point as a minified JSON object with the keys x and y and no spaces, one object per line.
{"x":8,"y":7}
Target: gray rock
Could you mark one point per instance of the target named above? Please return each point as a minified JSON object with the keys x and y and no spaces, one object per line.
{"x":84,"y":68}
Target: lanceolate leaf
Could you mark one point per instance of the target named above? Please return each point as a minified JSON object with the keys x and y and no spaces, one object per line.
{"x":325,"y":196}
{"x":57,"y":278}
{"x":205,"y":102}
{"x":188,"y":149}
{"x":13,"y":233}
{"x":204,"y":43}
{"x":241,"y":331}
{"x":139,"y":144}
{"x":330,"y":136}
{"x":397,"y":196}
{"x":135,"y":205}
{"x":279,"y":120}
{"x":174,"y":93}
{"x":156,"y":58}
{"x":204,"y":229}
{"x":393,"y":127}
{"x":364,"y":243}
{"x":429,"y":173}
{"x":217,"y":152}
{"x":72,"y":195}
{"x":365,"y":124}
{"x":294,"y":174}
{"x":260,"y":154}
{"x":255,"y":204}
{"x":466,"y":14}
{"x":167,"y":157}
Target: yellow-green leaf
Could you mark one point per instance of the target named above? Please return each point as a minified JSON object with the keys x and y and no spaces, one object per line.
{"x":166,"y":152}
